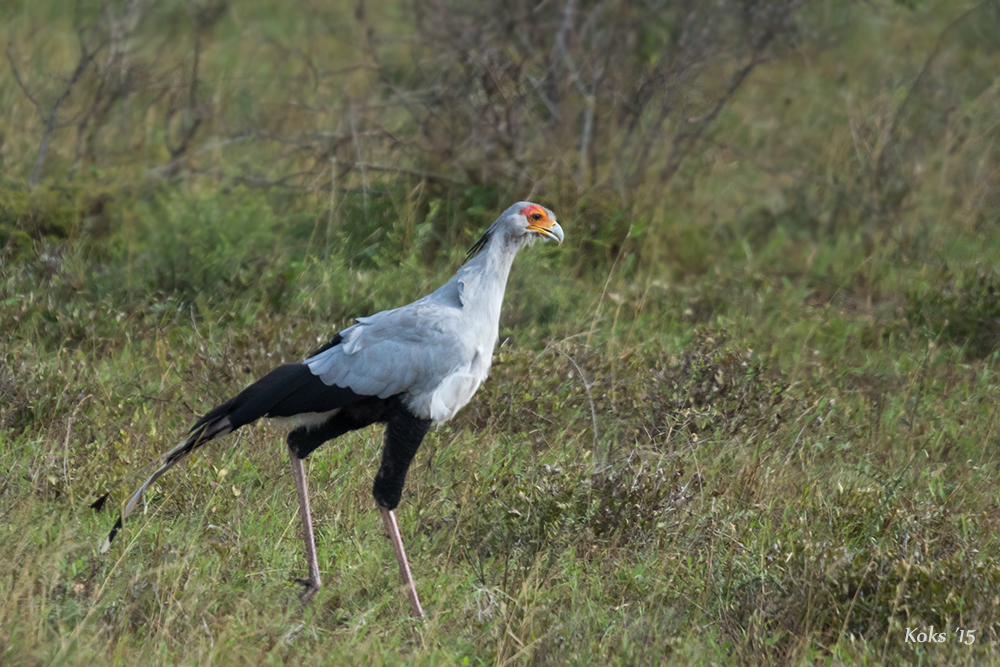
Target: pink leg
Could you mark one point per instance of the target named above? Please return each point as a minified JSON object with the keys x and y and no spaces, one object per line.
{"x":404,"y":568}
{"x":313,"y":583}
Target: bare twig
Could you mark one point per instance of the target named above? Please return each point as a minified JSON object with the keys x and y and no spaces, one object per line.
{"x":193,"y":110}
{"x":20,"y":81}
{"x":685,"y":140}
{"x":882,"y":162}
{"x":50,"y":116}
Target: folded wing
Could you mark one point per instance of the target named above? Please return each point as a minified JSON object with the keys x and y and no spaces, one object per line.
{"x":411,"y":350}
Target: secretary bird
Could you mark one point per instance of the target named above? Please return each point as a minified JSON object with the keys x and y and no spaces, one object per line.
{"x":407,"y":368}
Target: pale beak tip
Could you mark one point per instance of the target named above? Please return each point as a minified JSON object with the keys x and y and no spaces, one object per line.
{"x":557,"y":233}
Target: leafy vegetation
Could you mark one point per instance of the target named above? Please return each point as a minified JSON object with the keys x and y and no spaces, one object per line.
{"x":747,"y":413}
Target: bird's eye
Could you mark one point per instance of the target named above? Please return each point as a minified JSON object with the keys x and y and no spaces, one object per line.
{"x":536,"y":216}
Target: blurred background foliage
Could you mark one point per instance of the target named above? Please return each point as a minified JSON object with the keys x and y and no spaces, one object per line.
{"x":178,"y":140}
{"x":747,"y":411}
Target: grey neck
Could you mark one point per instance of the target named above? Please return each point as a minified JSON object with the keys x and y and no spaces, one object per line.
{"x":483,"y":279}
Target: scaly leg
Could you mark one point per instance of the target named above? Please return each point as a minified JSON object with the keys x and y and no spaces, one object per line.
{"x":404,"y":568}
{"x":313,"y":583}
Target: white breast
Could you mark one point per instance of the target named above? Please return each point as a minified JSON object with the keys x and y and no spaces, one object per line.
{"x":453,"y":392}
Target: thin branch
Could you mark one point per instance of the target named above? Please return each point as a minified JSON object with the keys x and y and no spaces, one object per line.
{"x":684,"y":140}
{"x":181,"y":148}
{"x":50,"y":117}
{"x":20,"y":82}
{"x":429,"y":175}
{"x":881,"y":164}
{"x":50,"y":122}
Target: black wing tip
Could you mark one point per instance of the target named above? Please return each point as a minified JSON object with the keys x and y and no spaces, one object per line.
{"x":115,"y":528}
{"x":333,"y":342}
{"x":98,"y":504}
{"x":111,"y":536}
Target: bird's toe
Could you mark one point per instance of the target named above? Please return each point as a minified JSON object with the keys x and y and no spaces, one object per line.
{"x":309,"y":590}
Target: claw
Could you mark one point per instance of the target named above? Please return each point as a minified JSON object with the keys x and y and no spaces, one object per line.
{"x":310,"y":588}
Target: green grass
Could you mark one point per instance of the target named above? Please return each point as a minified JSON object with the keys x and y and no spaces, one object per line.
{"x":749,"y":415}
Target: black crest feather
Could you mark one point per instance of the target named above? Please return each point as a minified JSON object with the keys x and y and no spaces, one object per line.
{"x":479,"y":245}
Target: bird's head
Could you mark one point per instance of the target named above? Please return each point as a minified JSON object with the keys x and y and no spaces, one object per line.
{"x":537,"y":221}
{"x":521,"y":224}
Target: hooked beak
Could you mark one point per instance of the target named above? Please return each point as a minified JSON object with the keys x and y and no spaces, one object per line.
{"x":550,"y":230}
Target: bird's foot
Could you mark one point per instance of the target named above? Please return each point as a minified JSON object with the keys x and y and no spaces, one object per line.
{"x":310,"y":588}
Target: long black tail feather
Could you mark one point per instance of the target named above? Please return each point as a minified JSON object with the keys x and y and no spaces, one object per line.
{"x":288,"y":390}
{"x":207,"y":432}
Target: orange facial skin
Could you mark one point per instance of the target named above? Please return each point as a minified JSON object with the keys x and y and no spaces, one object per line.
{"x":527,"y":212}
{"x":540,"y":222}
